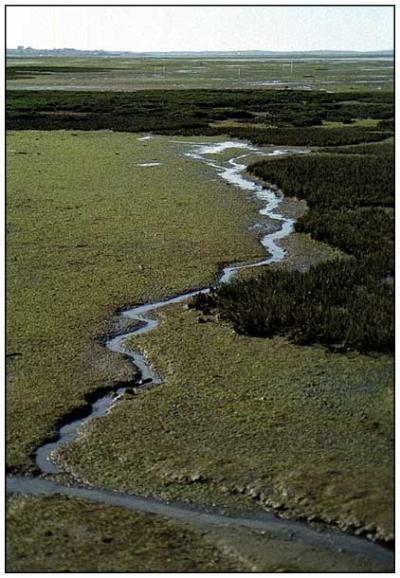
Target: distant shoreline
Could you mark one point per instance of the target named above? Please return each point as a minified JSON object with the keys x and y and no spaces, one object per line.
{"x":35,"y":52}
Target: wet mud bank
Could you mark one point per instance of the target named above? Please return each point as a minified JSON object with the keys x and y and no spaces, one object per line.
{"x":337,"y":542}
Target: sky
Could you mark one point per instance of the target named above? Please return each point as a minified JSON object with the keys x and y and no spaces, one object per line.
{"x":194,"y":28}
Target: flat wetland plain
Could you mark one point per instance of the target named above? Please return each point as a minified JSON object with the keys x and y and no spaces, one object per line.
{"x":89,"y":231}
{"x":100,"y":220}
{"x":224,"y":73}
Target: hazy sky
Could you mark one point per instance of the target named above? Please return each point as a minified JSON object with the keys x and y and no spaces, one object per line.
{"x":201,"y":28}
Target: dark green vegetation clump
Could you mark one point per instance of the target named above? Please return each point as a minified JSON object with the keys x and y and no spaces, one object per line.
{"x":264,"y":117}
{"x":346,"y":303}
{"x":20,"y":72}
{"x":330,"y":181}
{"x":308,"y":136}
{"x":377,"y":149}
{"x":387,"y":123}
{"x":336,"y":303}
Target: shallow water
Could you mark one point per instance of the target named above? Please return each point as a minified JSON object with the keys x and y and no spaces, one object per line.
{"x":263,"y":521}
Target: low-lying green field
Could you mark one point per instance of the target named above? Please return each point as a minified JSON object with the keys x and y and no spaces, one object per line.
{"x":90,"y":231}
{"x":64,"y":73}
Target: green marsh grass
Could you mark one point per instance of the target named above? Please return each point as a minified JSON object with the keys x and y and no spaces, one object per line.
{"x":299,"y":429}
{"x":89,"y":231}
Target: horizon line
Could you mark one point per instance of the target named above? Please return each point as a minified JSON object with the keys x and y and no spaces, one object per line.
{"x":200,"y":51}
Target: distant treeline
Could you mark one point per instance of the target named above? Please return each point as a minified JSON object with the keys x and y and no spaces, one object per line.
{"x":346,"y":303}
{"x":264,"y":114}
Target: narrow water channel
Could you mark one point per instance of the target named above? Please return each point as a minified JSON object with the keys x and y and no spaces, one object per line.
{"x":231,"y":171}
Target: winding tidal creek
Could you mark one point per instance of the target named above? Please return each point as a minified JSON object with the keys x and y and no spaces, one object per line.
{"x":231,"y":171}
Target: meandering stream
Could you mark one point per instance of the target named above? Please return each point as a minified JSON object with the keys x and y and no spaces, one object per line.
{"x":231,"y":171}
